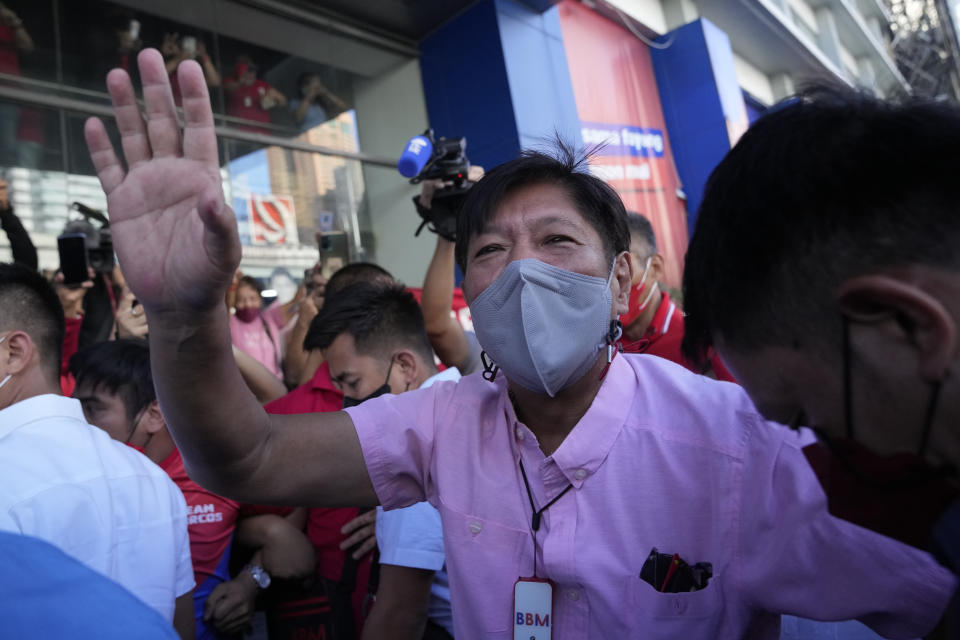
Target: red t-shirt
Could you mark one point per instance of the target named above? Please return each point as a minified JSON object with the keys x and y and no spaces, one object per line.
{"x":71,"y":343}
{"x":244,"y":102}
{"x":323,"y":525}
{"x":211,"y":520}
{"x":664,"y":337}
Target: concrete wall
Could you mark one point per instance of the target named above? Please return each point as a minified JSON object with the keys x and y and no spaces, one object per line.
{"x":649,"y":12}
{"x":391,"y":109}
{"x":753,"y":80}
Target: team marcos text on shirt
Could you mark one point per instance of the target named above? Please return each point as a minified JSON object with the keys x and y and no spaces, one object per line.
{"x":663,"y":458}
{"x":211,"y":521}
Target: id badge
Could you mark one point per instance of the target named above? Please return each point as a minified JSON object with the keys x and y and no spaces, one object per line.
{"x":532,"y":609}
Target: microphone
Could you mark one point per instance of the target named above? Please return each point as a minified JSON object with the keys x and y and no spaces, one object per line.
{"x":415,"y":156}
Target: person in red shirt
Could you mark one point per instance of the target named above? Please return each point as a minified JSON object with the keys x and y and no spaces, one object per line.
{"x":654,"y":323}
{"x":308,"y":360}
{"x":342,"y":538}
{"x":249,"y":97}
{"x":115,"y":387}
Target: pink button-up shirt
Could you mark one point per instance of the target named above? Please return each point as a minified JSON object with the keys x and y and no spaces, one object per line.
{"x":663,"y":458}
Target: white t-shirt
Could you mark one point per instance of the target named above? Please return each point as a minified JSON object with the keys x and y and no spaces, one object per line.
{"x":413,"y":537}
{"x":101,"y":502}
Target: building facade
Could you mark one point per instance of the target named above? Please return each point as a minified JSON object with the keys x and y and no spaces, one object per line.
{"x":659,"y":89}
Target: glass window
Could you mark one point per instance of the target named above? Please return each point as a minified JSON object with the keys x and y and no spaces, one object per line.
{"x":278,"y":87}
{"x":27,"y":43}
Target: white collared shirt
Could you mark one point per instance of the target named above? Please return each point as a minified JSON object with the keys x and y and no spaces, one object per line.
{"x":413,"y":537}
{"x":67,"y":482}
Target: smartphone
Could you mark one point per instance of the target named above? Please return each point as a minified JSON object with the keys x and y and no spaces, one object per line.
{"x":73,"y":258}
{"x":190,"y":45}
{"x":134,"y":30}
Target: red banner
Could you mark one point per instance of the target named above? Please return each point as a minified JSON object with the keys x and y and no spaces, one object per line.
{"x":619,"y":108}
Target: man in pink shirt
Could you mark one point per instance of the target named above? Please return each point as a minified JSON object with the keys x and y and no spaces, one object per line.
{"x":563,"y":462}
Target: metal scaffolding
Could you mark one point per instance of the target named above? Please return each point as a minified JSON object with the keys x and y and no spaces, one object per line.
{"x":925,"y":47}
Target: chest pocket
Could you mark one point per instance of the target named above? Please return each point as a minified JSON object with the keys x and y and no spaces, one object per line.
{"x":484,"y":561}
{"x":691,"y":615}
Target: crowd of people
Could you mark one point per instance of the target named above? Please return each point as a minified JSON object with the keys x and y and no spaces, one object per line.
{"x":581,"y":457}
{"x":113,"y":37}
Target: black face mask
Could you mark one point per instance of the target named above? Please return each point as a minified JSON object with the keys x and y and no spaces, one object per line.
{"x":383,"y":389}
{"x":901,"y":496}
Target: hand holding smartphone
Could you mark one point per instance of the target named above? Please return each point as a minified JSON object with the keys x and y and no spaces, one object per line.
{"x":73,"y":258}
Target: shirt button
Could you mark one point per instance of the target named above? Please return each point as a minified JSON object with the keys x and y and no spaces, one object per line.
{"x":580,"y":474}
{"x":519,"y":433}
{"x":476,"y":527}
{"x":573,"y":594}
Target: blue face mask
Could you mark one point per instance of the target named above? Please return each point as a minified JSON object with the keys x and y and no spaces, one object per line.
{"x":543,"y":325}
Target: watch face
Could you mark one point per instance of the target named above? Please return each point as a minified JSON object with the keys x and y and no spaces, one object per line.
{"x":261,"y":577}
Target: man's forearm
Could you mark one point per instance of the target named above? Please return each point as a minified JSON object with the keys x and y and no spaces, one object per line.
{"x":438,"y":286}
{"x":446,"y":335}
{"x":217,"y":423}
{"x":296,"y":357}
{"x":21,"y":246}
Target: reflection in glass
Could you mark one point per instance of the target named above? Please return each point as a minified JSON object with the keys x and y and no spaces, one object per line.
{"x":284,"y":198}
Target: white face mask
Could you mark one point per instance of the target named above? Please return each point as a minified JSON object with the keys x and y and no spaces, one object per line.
{"x":9,"y":375}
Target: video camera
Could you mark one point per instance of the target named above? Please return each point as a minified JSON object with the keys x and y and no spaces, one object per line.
{"x":99,"y":240}
{"x":428,"y":158}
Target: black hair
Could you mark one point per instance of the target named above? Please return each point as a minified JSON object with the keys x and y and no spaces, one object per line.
{"x":251,"y":282}
{"x":353,"y":273}
{"x":641,"y":228}
{"x":28,"y":303}
{"x":380,"y":317}
{"x":596,"y":200}
{"x":831,"y":185}
{"x":120,"y":367}
{"x":302,"y":77}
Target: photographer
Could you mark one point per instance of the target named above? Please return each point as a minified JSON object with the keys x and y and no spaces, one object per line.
{"x":249,"y":97}
{"x":176,"y":49}
{"x":316,"y":103}
{"x":454,"y":345}
{"x":100,"y":303}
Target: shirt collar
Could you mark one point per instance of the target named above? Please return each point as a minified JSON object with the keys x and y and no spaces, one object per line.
{"x":589,"y":443}
{"x":451,"y":374}
{"x":660,"y":323}
{"x":587,"y":446}
{"x":36,"y":408}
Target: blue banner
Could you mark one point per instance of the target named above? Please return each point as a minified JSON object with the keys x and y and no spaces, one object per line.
{"x":623,"y":140}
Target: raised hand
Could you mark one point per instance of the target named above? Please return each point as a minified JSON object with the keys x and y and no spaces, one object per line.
{"x":175,"y":237}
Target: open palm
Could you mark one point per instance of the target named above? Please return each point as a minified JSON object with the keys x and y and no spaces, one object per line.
{"x":176,"y":239}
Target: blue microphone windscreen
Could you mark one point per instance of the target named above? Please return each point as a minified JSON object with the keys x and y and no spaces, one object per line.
{"x":415,"y":156}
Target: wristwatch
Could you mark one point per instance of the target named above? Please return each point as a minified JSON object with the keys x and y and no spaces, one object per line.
{"x":260,"y":576}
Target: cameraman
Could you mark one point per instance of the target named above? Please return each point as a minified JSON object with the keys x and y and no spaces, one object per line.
{"x":453,"y":344}
{"x":101,"y":300}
